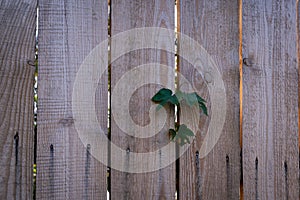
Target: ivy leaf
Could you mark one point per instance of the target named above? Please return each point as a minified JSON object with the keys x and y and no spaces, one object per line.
{"x":203,"y":107}
{"x":184,"y":130}
{"x":173,"y":100}
{"x":200,"y":99}
{"x":161,"y":95}
{"x":201,"y":103}
{"x":164,"y":96}
{"x":183,"y":134}
{"x":161,"y":104}
{"x":179,"y":95}
{"x":190,"y":99}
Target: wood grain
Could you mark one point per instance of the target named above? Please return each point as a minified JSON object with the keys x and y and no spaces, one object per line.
{"x":68,"y":32}
{"x":298,"y":51}
{"x":270,"y":100}
{"x":17,"y":39}
{"x":159,"y":184}
{"x":214,"y":25}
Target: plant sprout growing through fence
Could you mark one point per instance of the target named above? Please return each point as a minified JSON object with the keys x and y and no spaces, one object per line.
{"x":164,"y":96}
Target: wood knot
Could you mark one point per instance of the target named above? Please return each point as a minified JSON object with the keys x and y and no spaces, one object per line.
{"x":208,"y":77}
{"x":68,"y":121}
{"x":247,"y":61}
{"x":31,"y":63}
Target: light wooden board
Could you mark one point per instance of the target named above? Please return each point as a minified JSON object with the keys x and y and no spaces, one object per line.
{"x":68,"y":31}
{"x":298,"y":50}
{"x":214,"y":25}
{"x":270,"y":100}
{"x":17,"y":40}
{"x":159,"y":184}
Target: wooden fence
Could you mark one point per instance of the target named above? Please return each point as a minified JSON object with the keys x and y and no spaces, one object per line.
{"x":255,"y":45}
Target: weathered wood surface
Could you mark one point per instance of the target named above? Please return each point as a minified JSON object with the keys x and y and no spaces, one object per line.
{"x":270,"y":100}
{"x":68,"y":31}
{"x":298,"y":50}
{"x":159,"y":184}
{"x":17,"y":40}
{"x":214,"y":25}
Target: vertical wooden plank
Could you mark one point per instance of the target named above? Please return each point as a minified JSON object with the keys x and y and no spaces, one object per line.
{"x":17,"y":40}
{"x":69,"y":30}
{"x":270,"y":100}
{"x":214,"y":25}
{"x":298,"y":51}
{"x":159,"y":184}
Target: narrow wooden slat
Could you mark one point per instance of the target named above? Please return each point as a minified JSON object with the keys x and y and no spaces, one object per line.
{"x":270,"y":100}
{"x":298,"y":50}
{"x":17,"y":40}
{"x":214,"y":25}
{"x":69,"y":30}
{"x":159,"y":184}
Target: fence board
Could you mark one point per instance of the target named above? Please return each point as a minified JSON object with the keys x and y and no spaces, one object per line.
{"x":161,"y":183}
{"x":270,"y":100}
{"x":17,"y":20}
{"x":68,"y":31}
{"x":214,"y":25}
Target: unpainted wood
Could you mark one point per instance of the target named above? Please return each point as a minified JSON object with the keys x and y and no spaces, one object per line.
{"x":270,"y":100}
{"x":17,"y":40}
{"x":214,"y":25}
{"x":68,"y":32}
{"x":159,"y":184}
{"x":298,"y":54}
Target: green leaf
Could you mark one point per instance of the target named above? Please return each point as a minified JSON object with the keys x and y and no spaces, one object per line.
{"x":190,"y":99}
{"x":183,"y":134}
{"x":183,"y":129}
{"x":161,"y":104}
{"x":179,"y":95}
{"x":162,"y":94}
{"x":182,"y":140}
{"x":200,"y":99}
{"x":173,"y":100}
{"x":203,"y":107}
